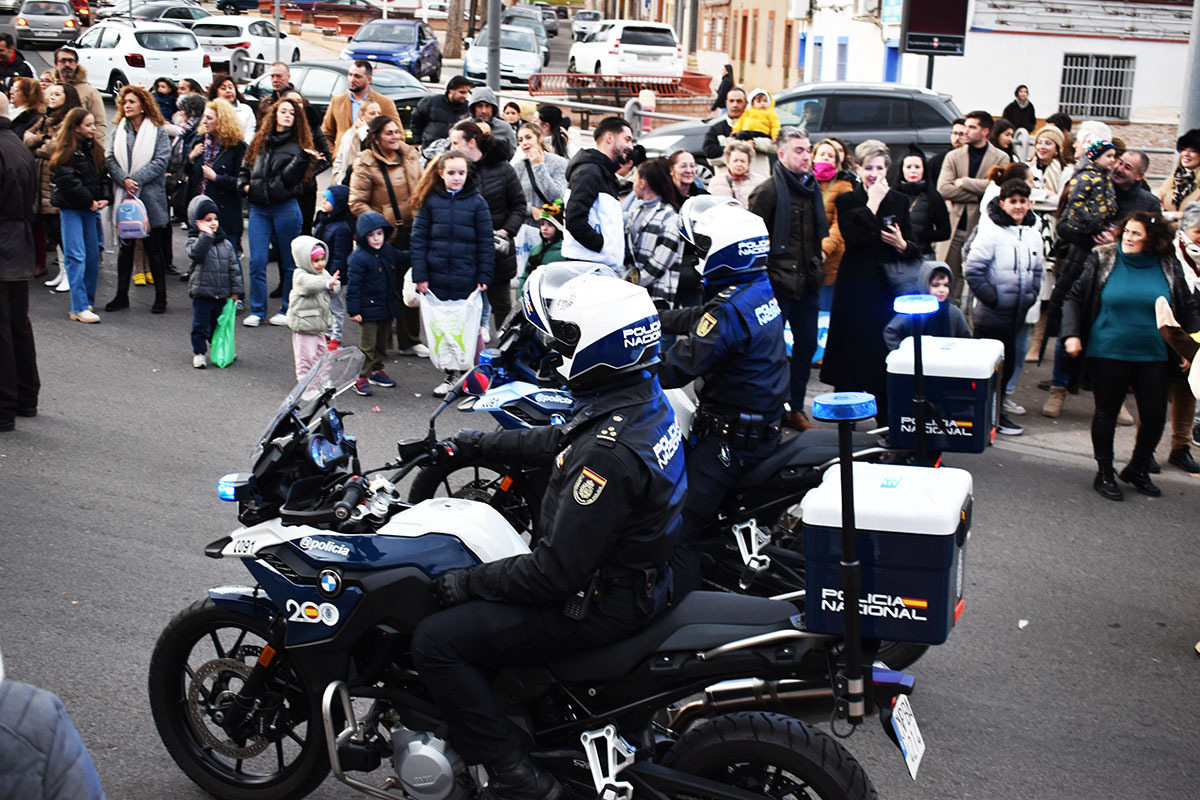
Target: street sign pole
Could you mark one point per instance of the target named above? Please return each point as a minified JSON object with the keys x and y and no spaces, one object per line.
{"x":493,"y":55}
{"x":277,"y":30}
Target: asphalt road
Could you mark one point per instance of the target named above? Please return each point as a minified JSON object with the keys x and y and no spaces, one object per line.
{"x":1071,"y":674}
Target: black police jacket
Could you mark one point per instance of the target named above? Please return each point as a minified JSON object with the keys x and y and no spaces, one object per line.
{"x":613,"y":503}
{"x":735,"y":342}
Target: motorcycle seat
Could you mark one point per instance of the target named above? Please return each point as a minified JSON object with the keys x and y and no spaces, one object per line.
{"x":809,"y":448}
{"x":701,"y":621}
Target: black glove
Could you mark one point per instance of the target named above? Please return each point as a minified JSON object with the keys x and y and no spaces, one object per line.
{"x":467,"y":444}
{"x":450,"y":589}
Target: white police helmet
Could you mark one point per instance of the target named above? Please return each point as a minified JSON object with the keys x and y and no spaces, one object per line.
{"x":601,"y":325}
{"x":734,"y":240}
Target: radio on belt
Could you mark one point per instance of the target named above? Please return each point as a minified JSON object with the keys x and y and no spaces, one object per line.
{"x":962,"y":386}
{"x":913,"y":524}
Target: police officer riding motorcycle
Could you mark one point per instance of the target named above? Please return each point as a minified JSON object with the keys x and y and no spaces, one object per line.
{"x":735,"y":343}
{"x":610,"y":518}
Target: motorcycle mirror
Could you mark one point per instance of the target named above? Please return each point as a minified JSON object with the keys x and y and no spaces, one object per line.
{"x":475,"y":383}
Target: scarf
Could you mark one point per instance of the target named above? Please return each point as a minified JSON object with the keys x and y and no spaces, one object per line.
{"x":785,"y":181}
{"x":911,"y":187}
{"x":212,"y":149}
{"x":1188,"y":255}
{"x":1022,"y":103}
{"x":1185,"y":184}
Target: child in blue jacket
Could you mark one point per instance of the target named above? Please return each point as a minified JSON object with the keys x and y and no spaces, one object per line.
{"x":334,"y":230}
{"x":453,"y":250}
{"x":371,"y":299}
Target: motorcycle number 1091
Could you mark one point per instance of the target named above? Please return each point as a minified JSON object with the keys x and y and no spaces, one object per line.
{"x":908,"y":735}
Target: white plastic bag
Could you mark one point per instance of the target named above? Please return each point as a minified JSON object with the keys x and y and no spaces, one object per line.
{"x":527,"y":238}
{"x":450,"y":329}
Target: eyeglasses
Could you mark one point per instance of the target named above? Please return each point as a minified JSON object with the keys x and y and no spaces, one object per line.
{"x":61,"y":60}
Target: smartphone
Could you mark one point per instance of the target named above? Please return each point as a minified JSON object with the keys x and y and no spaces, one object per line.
{"x":889,"y":221}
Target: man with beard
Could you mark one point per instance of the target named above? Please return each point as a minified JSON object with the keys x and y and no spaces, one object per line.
{"x":67,"y":70}
{"x":595,"y":226}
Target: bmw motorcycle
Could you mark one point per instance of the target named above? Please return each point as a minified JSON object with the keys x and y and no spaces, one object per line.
{"x":260,"y":691}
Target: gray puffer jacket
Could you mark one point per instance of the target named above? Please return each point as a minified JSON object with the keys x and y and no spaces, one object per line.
{"x":216,"y":271}
{"x":308,"y":304}
{"x":1004,"y":269}
{"x":151,"y":177}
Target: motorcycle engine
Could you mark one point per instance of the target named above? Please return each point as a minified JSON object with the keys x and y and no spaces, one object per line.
{"x":428,"y":769}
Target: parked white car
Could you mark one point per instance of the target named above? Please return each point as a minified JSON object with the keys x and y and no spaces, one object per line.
{"x":520,"y":56}
{"x":120,"y":51}
{"x":586,"y":21}
{"x":625,"y":47}
{"x":220,"y":36}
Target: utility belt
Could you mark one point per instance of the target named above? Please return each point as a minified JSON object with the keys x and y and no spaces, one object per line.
{"x":741,"y":431}
{"x":650,"y":586}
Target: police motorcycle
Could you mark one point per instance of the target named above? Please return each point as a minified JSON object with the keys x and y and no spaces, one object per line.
{"x":260,"y":691}
{"x":754,"y":544}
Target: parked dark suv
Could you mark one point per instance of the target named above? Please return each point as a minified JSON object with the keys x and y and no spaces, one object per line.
{"x":897,"y":115}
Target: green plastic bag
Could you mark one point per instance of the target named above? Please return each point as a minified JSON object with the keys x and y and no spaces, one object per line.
{"x":221,"y":352}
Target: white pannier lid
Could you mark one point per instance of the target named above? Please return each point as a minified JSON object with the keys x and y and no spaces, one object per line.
{"x":943,"y":357}
{"x":892,"y":498}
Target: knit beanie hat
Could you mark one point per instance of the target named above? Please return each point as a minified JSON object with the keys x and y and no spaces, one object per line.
{"x":1098,"y":148}
{"x":201,"y":206}
{"x":1053,"y":134}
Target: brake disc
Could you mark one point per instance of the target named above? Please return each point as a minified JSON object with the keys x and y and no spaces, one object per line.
{"x":201,"y":711}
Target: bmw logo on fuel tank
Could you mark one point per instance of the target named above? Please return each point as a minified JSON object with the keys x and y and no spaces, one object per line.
{"x":331,"y":583}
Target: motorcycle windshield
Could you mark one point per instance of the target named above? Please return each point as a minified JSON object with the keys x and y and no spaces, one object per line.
{"x":338,"y":369}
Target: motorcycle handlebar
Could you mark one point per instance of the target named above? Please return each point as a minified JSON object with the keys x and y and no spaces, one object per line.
{"x":352,"y":495}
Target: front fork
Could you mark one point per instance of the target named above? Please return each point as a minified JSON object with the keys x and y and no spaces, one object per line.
{"x":236,"y":721}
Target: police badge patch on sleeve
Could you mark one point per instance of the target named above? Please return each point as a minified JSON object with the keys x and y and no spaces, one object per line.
{"x":706,"y":324}
{"x":588,"y":487}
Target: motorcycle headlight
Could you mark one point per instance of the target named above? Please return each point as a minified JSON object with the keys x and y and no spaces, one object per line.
{"x":323,"y":452}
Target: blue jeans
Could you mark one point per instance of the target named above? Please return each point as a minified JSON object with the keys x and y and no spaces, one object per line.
{"x":81,"y":247}
{"x":1061,"y":374}
{"x":1021,"y":347}
{"x":282,"y":221}
{"x":205,"y":312}
{"x":801,"y":314}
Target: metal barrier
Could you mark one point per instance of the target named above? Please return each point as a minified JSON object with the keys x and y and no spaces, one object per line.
{"x":326,"y":23}
{"x":348,"y":28}
{"x":566,"y":84}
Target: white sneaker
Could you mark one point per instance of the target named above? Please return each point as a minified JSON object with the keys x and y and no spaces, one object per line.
{"x":278,"y":319}
{"x":63,"y":285}
{"x":199,"y":361}
{"x":442,"y":389}
{"x":252,"y":321}
{"x":1013,"y":408}
{"x":420,"y":350}
{"x":57,"y":279}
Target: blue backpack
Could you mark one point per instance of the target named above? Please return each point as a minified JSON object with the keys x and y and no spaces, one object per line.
{"x":133,"y":221}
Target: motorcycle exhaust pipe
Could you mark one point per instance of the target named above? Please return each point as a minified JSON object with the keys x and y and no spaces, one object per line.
{"x":799,"y":699}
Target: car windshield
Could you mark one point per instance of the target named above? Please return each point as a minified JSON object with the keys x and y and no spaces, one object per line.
{"x":659,"y":37}
{"x":391,"y":79}
{"x":169,"y":41}
{"x":229,"y":31}
{"x":47,"y":10}
{"x":147,"y":12}
{"x":525,"y":22}
{"x":389,"y":32}
{"x":587,"y":16}
{"x":509,"y":40}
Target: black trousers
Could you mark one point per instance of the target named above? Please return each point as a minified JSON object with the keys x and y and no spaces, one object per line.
{"x":712,"y":470}
{"x":154,"y":254}
{"x":1006,"y":337}
{"x":19,"y":382}
{"x":457,"y":650}
{"x":1110,"y":380}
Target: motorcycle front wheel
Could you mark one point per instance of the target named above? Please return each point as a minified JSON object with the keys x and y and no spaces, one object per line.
{"x":773,"y":755}
{"x":494,"y":484}
{"x":201,"y":661}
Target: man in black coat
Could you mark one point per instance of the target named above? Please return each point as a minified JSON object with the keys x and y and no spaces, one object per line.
{"x":1129,"y":182}
{"x":12,"y":63}
{"x":433,"y":116}
{"x":735,"y":104}
{"x":593,"y":203}
{"x":19,"y":382}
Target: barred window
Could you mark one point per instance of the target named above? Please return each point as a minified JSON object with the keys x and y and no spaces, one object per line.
{"x":1096,"y":87}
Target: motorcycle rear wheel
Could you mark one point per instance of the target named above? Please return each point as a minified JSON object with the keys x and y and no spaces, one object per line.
{"x":776,"y":755}
{"x":202,"y":657}
{"x":484,"y":482}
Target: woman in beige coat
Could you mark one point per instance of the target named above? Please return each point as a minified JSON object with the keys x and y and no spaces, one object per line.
{"x":385,"y":174}
{"x":1182,"y":186}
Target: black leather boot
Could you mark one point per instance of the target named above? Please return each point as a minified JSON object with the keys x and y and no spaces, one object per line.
{"x":1139,"y":479}
{"x":124,"y":272}
{"x":520,"y":780}
{"x":1106,"y":483}
{"x":1182,"y":458}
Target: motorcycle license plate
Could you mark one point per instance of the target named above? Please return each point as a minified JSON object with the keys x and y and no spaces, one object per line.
{"x":908,"y":735}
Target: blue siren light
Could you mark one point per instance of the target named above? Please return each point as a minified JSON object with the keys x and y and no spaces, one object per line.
{"x":234,"y":486}
{"x":915,"y":304}
{"x":844,"y":406}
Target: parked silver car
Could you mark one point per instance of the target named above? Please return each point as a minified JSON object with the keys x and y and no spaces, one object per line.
{"x":50,"y":21}
{"x":550,"y":21}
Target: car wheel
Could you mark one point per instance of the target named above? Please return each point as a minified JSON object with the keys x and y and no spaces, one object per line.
{"x":571,"y":66}
{"x":436,"y":75}
{"x":596,"y":70}
{"x":295,"y":55}
{"x":116,"y":82}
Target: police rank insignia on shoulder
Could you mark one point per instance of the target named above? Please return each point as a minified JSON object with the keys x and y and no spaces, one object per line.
{"x":588,"y":487}
{"x":706,"y":324}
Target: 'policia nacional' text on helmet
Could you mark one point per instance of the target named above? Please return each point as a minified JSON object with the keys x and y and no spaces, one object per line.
{"x":734,"y":241}
{"x":601,"y":325}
